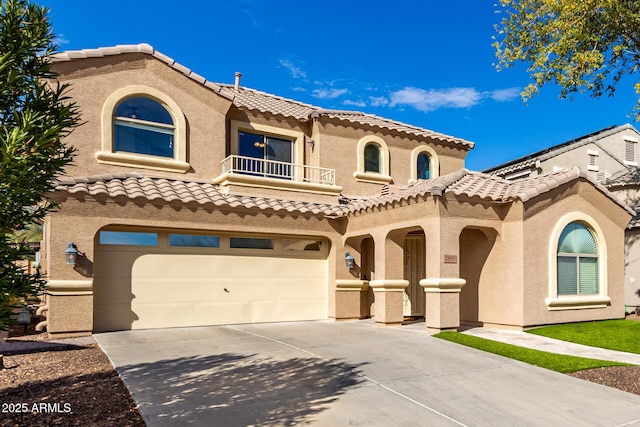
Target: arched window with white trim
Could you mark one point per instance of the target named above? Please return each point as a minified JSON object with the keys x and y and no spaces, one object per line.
{"x":577,"y":264}
{"x":577,"y":261}
{"x":142,"y":125}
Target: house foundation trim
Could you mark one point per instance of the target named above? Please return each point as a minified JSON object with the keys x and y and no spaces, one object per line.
{"x":388,"y":285}
{"x":351,"y":284}
{"x":70,"y":287}
{"x":442,"y":284}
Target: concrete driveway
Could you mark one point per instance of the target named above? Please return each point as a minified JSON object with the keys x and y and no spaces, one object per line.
{"x":346,"y":373}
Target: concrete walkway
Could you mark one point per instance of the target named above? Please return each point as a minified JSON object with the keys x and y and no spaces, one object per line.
{"x":536,"y":342}
{"x":346,"y":373}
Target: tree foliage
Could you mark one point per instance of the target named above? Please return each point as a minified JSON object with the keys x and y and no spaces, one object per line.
{"x":581,"y":45}
{"x":34,"y":116}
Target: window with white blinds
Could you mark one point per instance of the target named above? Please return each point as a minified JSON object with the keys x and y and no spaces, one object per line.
{"x":577,"y":261}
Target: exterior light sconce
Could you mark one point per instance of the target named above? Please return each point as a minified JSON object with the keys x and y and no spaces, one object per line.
{"x":349,"y":260}
{"x":311,"y":143}
{"x":71,"y":254}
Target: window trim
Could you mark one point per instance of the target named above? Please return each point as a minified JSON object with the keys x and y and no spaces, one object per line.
{"x":296,"y":136}
{"x":572,"y":302}
{"x":107,"y":155}
{"x":434,"y":167}
{"x":381,"y":177}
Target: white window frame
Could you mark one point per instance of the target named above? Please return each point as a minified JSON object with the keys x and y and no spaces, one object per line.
{"x":573,"y":302}
{"x":381,"y":177}
{"x":108,"y":155}
{"x":434,"y":167}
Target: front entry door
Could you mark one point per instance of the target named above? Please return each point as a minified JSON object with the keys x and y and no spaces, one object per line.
{"x":414,"y":271}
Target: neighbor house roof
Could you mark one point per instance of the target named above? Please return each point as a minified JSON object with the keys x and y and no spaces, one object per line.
{"x":135,"y":186}
{"x":251,"y":99}
{"x":530,"y":160}
{"x":624,"y":178}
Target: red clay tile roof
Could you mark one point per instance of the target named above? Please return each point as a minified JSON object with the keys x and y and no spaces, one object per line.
{"x":135,"y":186}
{"x":460,"y":183}
{"x":486,"y":187}
{"x":251,"y":99}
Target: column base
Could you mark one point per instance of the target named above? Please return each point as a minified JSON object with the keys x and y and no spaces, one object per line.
{"x":442,"y":303}
{"x":389,"y":301}
{"x":350,"y":303}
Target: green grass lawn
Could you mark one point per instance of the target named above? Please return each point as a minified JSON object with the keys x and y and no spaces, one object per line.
{"x":622,"y":335}
{"x":554,"y":362}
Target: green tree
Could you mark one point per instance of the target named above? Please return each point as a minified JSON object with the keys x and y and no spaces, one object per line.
{"x":581,"y":45}
{"x":35,"y":113}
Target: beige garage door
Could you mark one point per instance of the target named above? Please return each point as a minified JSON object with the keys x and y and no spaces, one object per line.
{"x":143,"y":287}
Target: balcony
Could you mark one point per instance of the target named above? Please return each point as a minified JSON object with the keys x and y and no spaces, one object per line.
{"x":271,"y":174}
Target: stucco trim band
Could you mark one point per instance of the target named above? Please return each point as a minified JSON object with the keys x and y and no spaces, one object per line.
{"x":352,"y":284}
{"x":389,"y":285}
{"x":443,"y":284}
{"x":578,"y":302}
{"x":70,"y":287}
{"x":230,"y":178}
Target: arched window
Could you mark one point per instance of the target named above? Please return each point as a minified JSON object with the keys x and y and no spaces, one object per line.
{"x":577,"y":261}
{"x":372,"y":158}
{"x":143,"y":126}
{"x":423,"y":166}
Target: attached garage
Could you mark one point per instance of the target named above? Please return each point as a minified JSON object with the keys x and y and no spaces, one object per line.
{"x":157,"y":279}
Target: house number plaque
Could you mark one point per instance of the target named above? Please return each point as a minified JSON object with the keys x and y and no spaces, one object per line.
{"x":451,"y":259}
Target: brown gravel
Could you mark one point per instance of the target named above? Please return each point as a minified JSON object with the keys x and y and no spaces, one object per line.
{"x":74,"y":386}
{"x":77,"y":386}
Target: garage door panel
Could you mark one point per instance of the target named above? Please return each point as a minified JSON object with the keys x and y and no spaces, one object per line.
{"x":154,"y":290}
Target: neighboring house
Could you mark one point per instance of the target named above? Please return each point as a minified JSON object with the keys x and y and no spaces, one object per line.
{"x":609,"y":156}
{"x":194,"y":203}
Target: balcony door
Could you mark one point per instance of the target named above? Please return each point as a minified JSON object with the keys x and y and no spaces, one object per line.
{"x":273,"y":156}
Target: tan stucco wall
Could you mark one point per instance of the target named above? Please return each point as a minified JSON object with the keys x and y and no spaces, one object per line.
{"x":79,"y":222}
{"x":337,"y":148}
{"x":541,"y":216}
{"x":93,"y":80}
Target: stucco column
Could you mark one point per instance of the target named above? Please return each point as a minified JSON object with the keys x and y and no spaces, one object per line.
{"x":442,"y":303}
{"x":388,"y":288}
{"x":351,"y":299}
{"x":389,"y":296}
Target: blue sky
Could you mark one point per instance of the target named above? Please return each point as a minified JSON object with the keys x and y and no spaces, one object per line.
{"x":424,"y":62}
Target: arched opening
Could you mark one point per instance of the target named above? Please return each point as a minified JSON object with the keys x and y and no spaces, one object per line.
{"x":475,"y":247}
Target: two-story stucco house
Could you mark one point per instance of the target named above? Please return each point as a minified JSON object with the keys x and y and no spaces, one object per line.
{"x":195,"y":203}
{"x":609,"y":156}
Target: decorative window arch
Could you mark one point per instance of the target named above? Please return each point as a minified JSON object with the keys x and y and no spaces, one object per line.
{"x":422,"y":154}
{"x":137,"y":113}
{"x":578,"y":264}
{"x":373,"y":161}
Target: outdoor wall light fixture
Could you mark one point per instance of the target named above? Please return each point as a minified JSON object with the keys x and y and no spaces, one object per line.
{"x":71,"y":254}
{"x":349,"y":260}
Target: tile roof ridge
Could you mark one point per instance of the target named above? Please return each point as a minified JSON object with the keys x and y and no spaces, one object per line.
{"x":272,"y":95}
{"x":145,"y":48}
{"x":440,"y":184}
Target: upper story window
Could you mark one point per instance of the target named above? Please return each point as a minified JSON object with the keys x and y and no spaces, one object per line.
{"x":578,"y":264}
{"x":423,"y":166}
{"x":278,"y":153}
{"x":372,"y":158}
{"x":143,"y":128}
{"x":424,"y":163}
{"x":577,"y":261}
{"x":372,"y":161}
